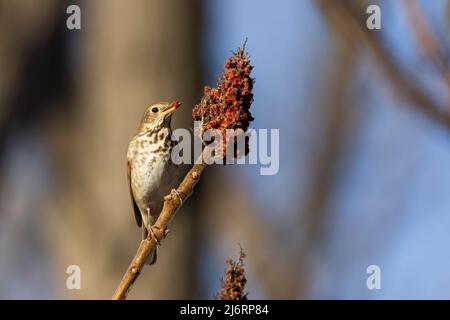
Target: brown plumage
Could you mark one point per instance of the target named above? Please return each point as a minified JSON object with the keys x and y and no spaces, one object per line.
{"x":151,"y":173}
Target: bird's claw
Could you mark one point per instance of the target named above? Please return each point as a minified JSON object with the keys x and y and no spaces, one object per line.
{"x":175,"y":192}
{"x":152,"y":233}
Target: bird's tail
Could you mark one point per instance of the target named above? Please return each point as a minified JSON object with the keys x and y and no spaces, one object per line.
{"x":151,"y":259}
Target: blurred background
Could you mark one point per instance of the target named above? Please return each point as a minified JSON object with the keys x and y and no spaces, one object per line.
{"x":364,"y":119}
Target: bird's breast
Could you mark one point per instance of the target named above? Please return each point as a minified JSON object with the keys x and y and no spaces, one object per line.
{"x":150,"y":161}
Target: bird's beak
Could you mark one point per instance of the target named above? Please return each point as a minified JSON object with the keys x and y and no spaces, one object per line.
{"x":171,"y":108}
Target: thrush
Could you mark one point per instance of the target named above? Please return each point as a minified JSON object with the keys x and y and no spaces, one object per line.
{"x":151,"y":173}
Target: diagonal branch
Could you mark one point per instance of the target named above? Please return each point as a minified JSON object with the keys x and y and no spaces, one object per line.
{"x":426,"y":39}
{"x":170,"y":207}
{"x":346,"y":19}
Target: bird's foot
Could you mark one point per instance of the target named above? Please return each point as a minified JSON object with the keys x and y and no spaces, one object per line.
{"x":175,"y":192}
{"x":152,"y":233}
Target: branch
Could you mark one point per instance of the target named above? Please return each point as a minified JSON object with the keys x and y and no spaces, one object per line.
{"x":346,"y":20}
{"x":427,"y":41}
{"x":170,"y":207}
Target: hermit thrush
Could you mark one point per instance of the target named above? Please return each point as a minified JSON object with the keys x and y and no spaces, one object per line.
{"x":151,"y":173}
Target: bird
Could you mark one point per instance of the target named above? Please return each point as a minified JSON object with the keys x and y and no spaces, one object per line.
{"x":150,"y":170}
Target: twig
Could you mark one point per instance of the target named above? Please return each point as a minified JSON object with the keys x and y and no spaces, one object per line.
{"x":170,"y":207}
{"x":346,"y":20}
{"x":427,"y":40}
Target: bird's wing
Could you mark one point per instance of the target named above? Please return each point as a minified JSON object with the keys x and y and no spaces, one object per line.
{"x":137,"y":213}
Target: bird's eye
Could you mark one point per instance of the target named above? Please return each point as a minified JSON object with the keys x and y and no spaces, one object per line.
{"x":154,"y":109}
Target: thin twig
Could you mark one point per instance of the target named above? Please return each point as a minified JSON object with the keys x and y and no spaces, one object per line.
{"x":427,"y":40}
{"x":346,"y":20}
{"x":170,"y":207}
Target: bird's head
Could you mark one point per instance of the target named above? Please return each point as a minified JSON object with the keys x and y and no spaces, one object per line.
{"x":158,"y":115}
